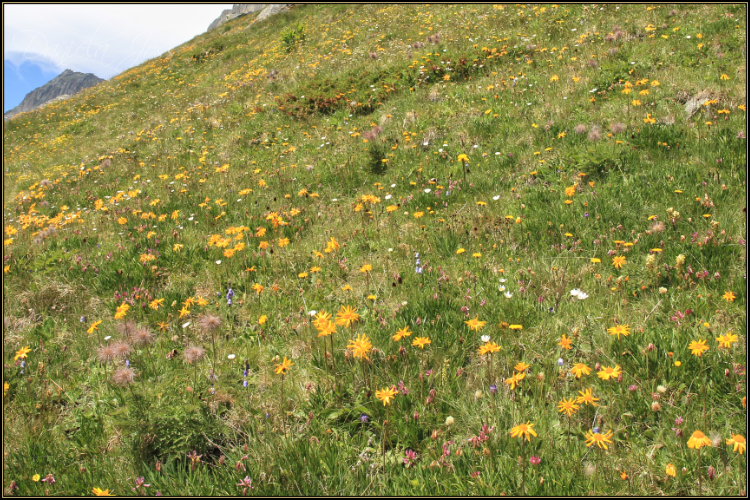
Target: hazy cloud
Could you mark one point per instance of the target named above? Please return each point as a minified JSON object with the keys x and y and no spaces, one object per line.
{"x":101,"y":39}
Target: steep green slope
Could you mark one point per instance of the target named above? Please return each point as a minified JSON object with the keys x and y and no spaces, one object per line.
{"x":451,"y":171}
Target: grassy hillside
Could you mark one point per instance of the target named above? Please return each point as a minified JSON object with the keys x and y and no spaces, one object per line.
{"x":355,"y":249}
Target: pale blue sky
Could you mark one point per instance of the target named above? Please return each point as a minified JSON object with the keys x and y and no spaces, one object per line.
{"x":41,"y":41}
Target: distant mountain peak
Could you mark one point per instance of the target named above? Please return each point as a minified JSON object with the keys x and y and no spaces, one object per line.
{"x":67,"y":83}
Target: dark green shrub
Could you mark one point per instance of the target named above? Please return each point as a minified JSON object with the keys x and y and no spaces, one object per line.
{"x":376,"y":155}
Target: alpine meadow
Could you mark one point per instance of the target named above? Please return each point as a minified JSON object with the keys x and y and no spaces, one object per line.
{"x":388,"y":250}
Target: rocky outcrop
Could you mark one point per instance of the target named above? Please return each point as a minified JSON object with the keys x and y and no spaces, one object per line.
{"x":240,"y":9}
{"x":237,"y":10}
{"x":272,"y":10}
{"x":64,"y":85}
{"x":694,"y":104}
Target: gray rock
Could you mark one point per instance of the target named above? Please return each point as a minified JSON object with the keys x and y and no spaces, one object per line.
{"x":63,"y":86}
{"x":694,"y":103}
{"x":247,"y":8}
{"x":219,"y":20}
{"x":272,"y":10}
{"x":237,"y":10}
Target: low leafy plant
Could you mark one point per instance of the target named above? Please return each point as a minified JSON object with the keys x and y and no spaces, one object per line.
{"x":293,"y":36}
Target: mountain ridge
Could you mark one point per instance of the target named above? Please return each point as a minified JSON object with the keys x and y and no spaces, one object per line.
{"x":67,"y":83}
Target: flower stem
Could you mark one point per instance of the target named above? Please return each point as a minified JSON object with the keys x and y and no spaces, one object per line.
{"x":195,"y":380}
{"x":384,"y":425}
{"x":523,"y":470}
{"x":333,"y":358}
{"x":699,"y":472}
{"x":283,"y":413}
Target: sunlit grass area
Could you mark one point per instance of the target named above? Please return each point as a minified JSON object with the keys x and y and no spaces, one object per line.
{"x":388,"y":250}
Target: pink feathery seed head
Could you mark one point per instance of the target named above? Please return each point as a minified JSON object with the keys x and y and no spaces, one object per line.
{"x":122,"y":349}
{"x":209,"y":323}
{"x":194,"y":354}
{"x":142,"y":336}
{"x":106,"y":353}
{"x":617,"y":128}
{"x":123,"y":376}
{"x":595,"y":133}
{"x":126,"y":328}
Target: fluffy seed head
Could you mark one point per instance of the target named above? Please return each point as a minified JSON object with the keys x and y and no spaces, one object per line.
{"x":126,"y":328}
{"x":616,"y":128}
{"x":142,"y":336}
{"x":658,"y":227}
{"x":209,"y":323}
{"x":715,"y":439}
{"x":595,"y":133}
{"x":123,"y":376}
{"x":106,"y":353}
{"x":122,"y":349}
{"x":589,"y":469}
{"x":580,"y":129}
{"x":194,"y":354}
